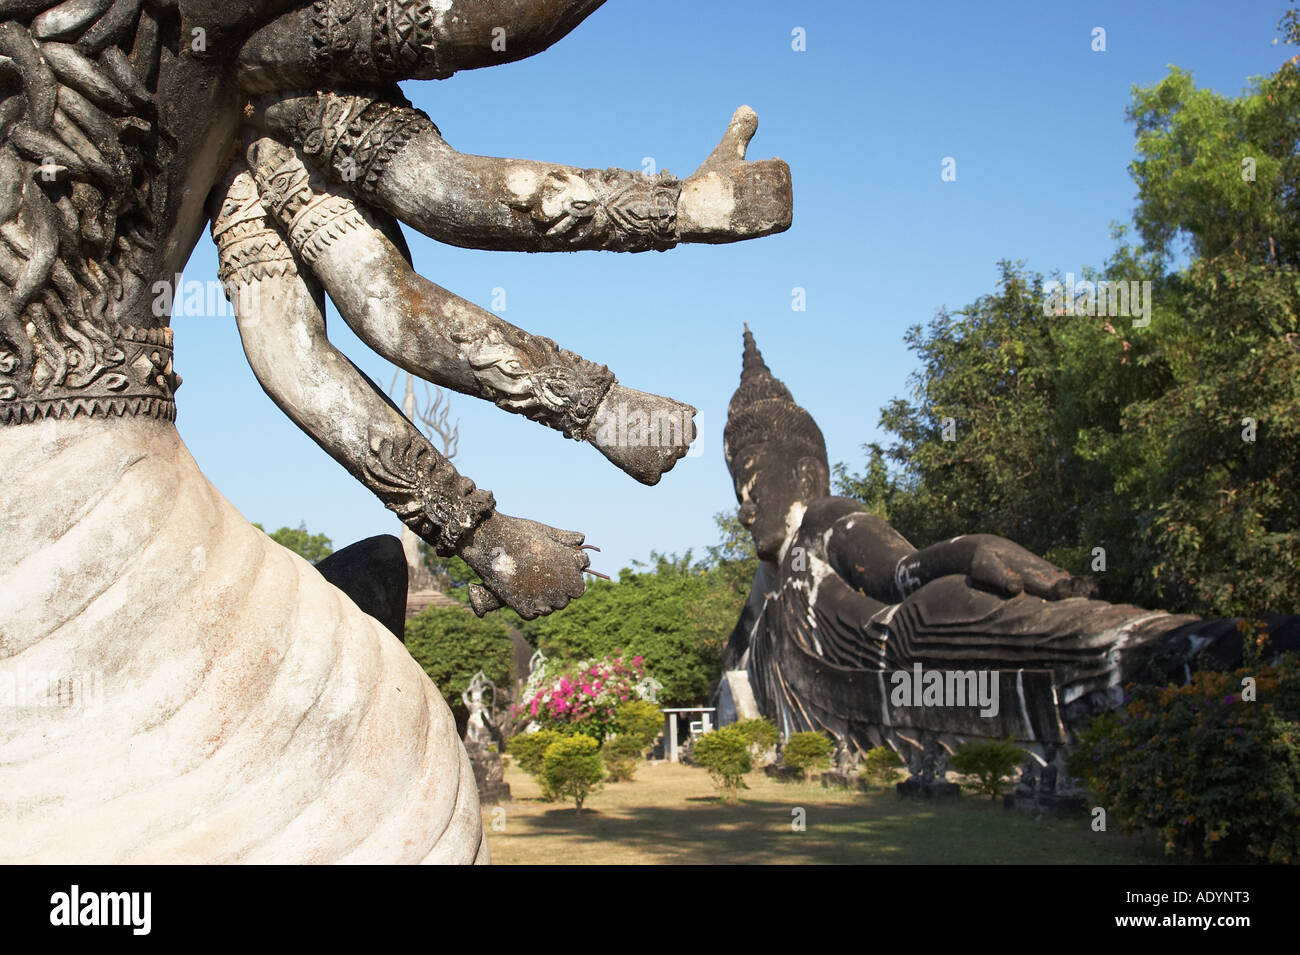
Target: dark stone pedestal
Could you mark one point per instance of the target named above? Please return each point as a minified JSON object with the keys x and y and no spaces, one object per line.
{"x":782,"y":774}
{"x":488,"y":775}
{"x":918,"y":787}
{"x":838,"y":779}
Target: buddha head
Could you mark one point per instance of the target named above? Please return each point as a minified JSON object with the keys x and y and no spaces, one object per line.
{"x":776,"y":455}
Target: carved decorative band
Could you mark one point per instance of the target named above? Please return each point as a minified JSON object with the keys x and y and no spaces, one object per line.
{"x":320,"y":222}
{"x":248,"y":247}
{"x":354,"y":137}
{"x":140,"y":381}
{"x":425,"y":490}
{"x":379,"y":40}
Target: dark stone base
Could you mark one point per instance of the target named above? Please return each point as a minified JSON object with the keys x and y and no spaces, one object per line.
{"x":491,"y":793}
{"x":1046,"y":804}
{"x":838,"y":779}
{"x":782,"y":774}
{"x":918,"y":787}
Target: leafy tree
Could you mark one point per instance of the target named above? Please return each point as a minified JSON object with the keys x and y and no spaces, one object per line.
{"x":310,"y":547}
{"x":621,"y":754}
{"x":991,"y":762}
{"x":725,"y":754}
{"x":640,"y":719}
{"x":1216,"y":775}
{"x":452,"y":645}
{"x":807,"y":751}
{"x":572,"y":768}
{"x":759,"y":733}
{"x":1161,"y":458}
{"x":880,"y":766}
{"x":529,"y":752}
{"x":677,"y":616}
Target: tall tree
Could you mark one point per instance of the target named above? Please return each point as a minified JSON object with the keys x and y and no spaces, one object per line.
{"x":1163,"y":456}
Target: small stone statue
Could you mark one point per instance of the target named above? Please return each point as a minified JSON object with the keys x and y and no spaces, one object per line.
{"x":480,"y":741}
{"x":842,"y":607}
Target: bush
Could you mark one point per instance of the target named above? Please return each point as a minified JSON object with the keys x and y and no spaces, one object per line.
{"x":621,"y":754}
{"x":640,"y":718}
{"x":529,"y":749}
{"x":583,"y":697}
{"x":991,"y":762}
{"x":678,"y":615}
{"x":880,"y":767}
{"x":1217,"y":776}
{"x":725,"y":754}
{"x":572,"y":768}
{"x":807,"y":751}
{"x":761,"y":734}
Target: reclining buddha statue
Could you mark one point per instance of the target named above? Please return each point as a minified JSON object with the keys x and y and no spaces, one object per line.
{"x":851,"y":630}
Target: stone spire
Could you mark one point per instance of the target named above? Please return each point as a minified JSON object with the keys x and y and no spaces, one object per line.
{"x":763,"y":410}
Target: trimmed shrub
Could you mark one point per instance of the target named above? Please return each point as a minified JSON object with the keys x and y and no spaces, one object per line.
{"x":529,"y":751}
{"x":760,"y":733}
{"x":807,"y":751}
{"x":640,"y":718}
{"x":572,"y":768}
{"x":725,"y":754}
{"x":1218,"y":776}
{"x":993,"y":763}
{"x":880,"y":767}
{"x":621,"y":755}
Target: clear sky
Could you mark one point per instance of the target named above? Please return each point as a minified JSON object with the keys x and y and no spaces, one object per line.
{"x":864,"y":116}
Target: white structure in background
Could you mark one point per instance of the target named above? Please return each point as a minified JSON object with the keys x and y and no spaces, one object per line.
{"x":697,"y":727}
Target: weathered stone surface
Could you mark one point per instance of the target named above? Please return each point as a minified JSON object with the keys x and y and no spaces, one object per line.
{"x":482,"y":742}
{"x":124,"y":127}
{"x":204,"y":694}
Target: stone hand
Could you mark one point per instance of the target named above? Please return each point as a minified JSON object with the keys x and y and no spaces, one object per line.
{"x":729,"y":198}
{"x":527,"y":566}
{"x":990,"y":561}
{"x":1010,"y":568}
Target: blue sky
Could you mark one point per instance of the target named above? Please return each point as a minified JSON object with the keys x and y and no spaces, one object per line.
{"x":864,"y":116}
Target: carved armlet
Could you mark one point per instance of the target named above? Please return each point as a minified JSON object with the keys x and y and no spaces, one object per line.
{"x":398,"y":464}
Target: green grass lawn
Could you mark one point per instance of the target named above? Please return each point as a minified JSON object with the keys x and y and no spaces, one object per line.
{"x":671,"y":814}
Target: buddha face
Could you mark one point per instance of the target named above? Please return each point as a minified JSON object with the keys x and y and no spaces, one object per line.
{"x":775,"y":485}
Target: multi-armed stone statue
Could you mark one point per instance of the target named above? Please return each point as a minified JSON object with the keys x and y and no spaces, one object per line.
{"x":246,"y":709}
{"x":851,"y":630}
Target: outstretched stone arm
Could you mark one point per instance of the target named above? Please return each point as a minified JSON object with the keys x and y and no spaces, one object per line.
{"x":528,"y":566}
{"x":393,"y":157}
{"x":865,"y":550}
{"x":876,"y":559}
{"x":992,"y":561}
{"x":362,"y":261}
{"x":373,"y":41}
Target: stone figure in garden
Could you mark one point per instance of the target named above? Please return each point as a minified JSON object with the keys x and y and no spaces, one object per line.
{"x":845,"y":616}
{"x":481,"y":740}
{"x":246,"y":709}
